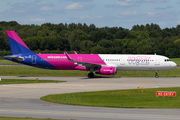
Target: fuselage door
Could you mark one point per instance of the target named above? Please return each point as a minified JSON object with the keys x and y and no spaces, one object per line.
{"x":157,"y":61}
{"x":80,"y":59}
{"x":122,"y":61}
{"x":34,"y":59}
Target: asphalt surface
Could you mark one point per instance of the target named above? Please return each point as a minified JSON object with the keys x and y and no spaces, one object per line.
{"x":23,"y":100}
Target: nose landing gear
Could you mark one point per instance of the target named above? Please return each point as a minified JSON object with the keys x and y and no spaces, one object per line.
{"x":156,"y":74}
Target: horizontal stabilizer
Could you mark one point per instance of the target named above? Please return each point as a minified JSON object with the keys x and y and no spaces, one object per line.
{"x":16,"y":57}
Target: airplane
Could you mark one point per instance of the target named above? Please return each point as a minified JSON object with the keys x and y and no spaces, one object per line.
{"x":103,"y":64}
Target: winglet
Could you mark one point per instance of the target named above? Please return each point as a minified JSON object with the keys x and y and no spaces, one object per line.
{"x":68,"y":57}
{"x":75,"y":52}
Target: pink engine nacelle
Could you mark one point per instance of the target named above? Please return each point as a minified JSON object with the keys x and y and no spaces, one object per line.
{"x":106,"y":71}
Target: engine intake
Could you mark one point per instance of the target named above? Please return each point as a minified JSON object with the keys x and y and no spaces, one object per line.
{"x":106,"y":71}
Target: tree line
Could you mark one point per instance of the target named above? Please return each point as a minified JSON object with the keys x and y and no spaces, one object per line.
{"x":83,"y":38}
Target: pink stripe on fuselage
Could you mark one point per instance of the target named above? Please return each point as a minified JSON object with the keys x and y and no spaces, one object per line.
{"x":60,"y":60}
{"x":15,"y":37}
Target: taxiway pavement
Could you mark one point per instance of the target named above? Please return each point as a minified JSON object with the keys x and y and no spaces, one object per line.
{"x":23,"y":100}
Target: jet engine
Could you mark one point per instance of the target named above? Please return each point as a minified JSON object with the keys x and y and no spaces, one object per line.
{"x":106,"y":71}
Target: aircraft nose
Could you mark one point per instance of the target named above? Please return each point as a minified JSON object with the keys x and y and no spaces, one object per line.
{"x":174,"y":65}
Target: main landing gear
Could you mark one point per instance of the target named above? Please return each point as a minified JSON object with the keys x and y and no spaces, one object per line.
{"x":91,"y":75}
{"x":156,"y":74}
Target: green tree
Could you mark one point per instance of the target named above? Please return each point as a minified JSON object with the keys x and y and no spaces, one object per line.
{"x":98,"y":50}
{"x":171,"y":52}
{"x":105,"y":43}
{"x":118,"y":42}
{"x":98,"y":35}
{"x":132,"y":47}
{"x":121,"y":34}
{"x":159,"y":49}
{"x":33,"y":42}
{"x":62,"y":43}
{"x":132,"y":34}
{"x":53,"y":33}
{"x":178,"y":29}
{"x":77,"y":35}
{"x":2,"y":44}
{"x":142,"y":35}
{"x":165,"y":34}
{"x":147,"y":27}
{"x":155,"y":27}
{"x":72,"y":26}
{"x":86,"y":46}
{"x":76,"y":45}
{"x":153,"y":34}
{"x":177,"y":47}
{"x":145,"y":49}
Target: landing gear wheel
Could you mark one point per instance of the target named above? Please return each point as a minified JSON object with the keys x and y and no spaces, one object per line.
{"x":90,"y":75}
{"x":156,"y":74}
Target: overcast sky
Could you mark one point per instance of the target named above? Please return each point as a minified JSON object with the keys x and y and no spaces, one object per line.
{"x":111,"y":13}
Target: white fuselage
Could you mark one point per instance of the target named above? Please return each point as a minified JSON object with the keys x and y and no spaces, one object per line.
{"x":138,"y":62}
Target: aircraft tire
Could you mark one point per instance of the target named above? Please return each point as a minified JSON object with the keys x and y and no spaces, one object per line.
{"x":90,"y":75}
{"x":156,"y":76}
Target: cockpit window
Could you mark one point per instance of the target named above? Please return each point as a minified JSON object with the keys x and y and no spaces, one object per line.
{"x":167,"y":60}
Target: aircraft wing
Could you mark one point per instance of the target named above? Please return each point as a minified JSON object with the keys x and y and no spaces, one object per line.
{"x":88,"y":65}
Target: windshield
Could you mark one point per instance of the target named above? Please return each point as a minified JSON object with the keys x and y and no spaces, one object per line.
{"x":167,"y":60}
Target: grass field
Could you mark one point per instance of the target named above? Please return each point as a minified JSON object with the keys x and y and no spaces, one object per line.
{"x":10,"y":118}
{"x":119,"y":98}
{"x":3,"y":61}
{"x":23,"y":81}
{"x":176,"y":60}
{"x":32,"y":71}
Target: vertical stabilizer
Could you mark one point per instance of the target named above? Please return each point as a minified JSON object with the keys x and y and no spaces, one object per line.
{"x":17,"y":45}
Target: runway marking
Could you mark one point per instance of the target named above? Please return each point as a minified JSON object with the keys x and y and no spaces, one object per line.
{"x":169,"y":117}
